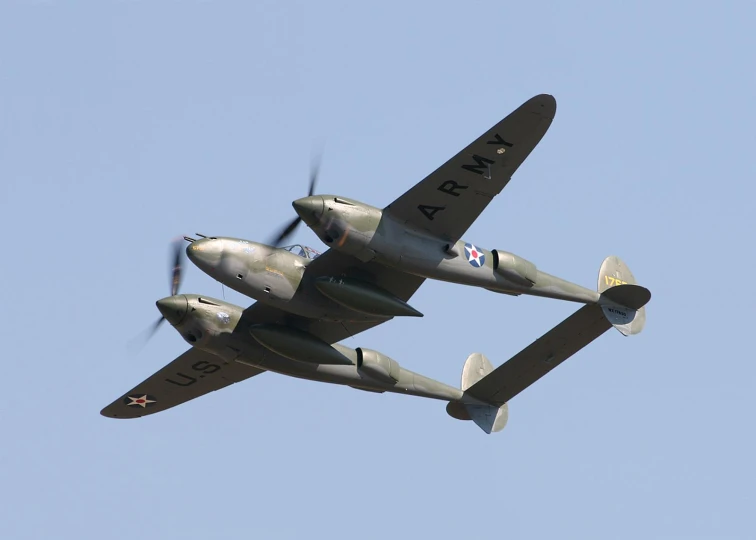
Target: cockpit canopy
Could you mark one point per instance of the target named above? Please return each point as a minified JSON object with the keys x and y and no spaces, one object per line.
{"x":302,"y":251}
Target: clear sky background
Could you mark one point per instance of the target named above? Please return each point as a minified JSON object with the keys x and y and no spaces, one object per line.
{"x":125,"y":124}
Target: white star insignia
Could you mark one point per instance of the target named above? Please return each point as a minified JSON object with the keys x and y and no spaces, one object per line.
{"x":140,"y":401}
{"x":471,"y":249}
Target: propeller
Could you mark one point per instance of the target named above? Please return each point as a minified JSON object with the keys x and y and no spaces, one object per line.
{"x":176,"y":258}
{"x":290,"y":227}
{"x":178,"y":270}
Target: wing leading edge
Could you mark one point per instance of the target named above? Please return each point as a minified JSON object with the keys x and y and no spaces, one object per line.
{"x":452,"y":197}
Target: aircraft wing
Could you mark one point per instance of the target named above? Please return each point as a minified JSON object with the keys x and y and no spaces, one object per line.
{"x":541,"y":356}
{"x":191,"y":375}
{"x":451,"y":198}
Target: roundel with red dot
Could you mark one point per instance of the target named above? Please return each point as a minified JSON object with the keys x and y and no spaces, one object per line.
{"x":139,"y":400}
{"x":474,"y":256}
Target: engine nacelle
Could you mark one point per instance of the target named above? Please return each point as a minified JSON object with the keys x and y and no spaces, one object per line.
{"x":514,"y":268}
{"x":378,"y":366}
{"x":346,"y":225}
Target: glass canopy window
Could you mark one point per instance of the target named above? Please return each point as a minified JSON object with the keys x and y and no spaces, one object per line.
{"x":302,"y":251}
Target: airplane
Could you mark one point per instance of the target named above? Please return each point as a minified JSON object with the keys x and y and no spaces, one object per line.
{"x":377,"y":258}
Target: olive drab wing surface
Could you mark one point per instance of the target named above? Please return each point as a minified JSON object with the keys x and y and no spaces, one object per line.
{"x":451,"y":198}
{"x":191,"y":375}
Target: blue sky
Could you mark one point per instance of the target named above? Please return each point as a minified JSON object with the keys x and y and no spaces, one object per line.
{"x":125,"y":124}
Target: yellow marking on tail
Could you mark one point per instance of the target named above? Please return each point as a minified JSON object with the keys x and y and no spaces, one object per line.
{"x":612,"y":281}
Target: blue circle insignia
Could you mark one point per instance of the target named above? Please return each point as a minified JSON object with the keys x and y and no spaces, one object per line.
{"x":474,"y":256}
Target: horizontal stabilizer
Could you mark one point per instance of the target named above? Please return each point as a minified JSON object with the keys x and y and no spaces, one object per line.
{"x":541,"y":356}
{"x":631,"y":296}
{"x":487,"y":390}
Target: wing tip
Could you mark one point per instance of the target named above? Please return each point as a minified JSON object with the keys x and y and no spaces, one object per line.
{"x":545,"y":105}
{"x":108,"y":412}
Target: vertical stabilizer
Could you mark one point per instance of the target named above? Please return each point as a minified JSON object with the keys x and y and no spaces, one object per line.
{"x":623,"y":317}
{"x":489,"y":418}
{"x":476,"y":367}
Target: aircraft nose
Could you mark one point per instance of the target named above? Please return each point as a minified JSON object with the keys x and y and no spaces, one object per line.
{"x":205,"y":253}
{"x":173,"y":308}
{"x":309,"y":207}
